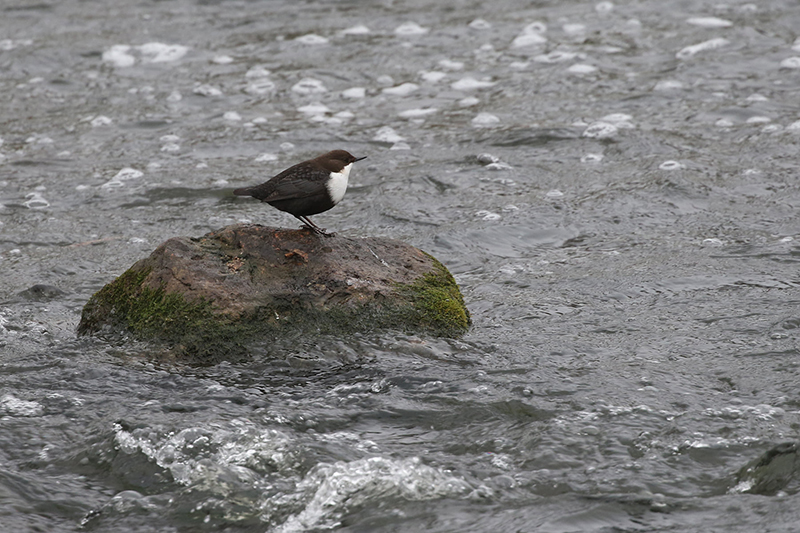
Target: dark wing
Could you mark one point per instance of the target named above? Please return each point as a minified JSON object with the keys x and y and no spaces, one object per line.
{"x":299,"y":181}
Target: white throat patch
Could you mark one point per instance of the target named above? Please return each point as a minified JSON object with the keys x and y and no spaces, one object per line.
{"x":337,"y":185}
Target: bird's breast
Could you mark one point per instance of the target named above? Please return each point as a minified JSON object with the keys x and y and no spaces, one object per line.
{"x":337,"y":184}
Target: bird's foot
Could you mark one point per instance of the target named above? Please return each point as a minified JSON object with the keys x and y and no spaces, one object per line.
{"x":318,"y":230}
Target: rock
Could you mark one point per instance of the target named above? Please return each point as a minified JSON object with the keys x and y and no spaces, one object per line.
{"x":778,"y":469}
{"x":211,"y":294}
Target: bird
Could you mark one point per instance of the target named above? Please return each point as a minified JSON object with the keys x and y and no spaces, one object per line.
{"x":307,"y":188}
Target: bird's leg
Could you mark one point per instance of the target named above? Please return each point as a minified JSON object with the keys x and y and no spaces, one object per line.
{"x":310,"y":225}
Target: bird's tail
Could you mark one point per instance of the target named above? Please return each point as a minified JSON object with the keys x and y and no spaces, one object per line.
{"x":244,"y":191}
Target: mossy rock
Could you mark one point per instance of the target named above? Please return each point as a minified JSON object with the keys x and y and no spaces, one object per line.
{"x":212,"y":295}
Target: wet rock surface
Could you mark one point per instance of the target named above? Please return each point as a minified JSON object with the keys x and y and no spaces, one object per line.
{"x":248,"y":280}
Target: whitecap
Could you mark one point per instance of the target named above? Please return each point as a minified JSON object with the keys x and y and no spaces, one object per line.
{"x":312,"y":39}
{"x":528,"y":39}
{"x":354,"y":92}
{"x":418,"y":112}
{"x":485,"y":119}
{"x":410,"y":28}
{"x":758,"y":120}
{"x":387,"y":134}
{"x":162,"y":53}
{"x":174,"y":96}
{"x":118,"y":56}
{"x":222,"y":60}
{"x":385,"y":80}
{"x":14,"y":406}
{"x":233,"y":116}
{"x":468,"y":101}
{"x":794,"y":126}
{"x":169,"y":138}
{"x":266,"y":157}
{"x":355,"y":30}
{"x":791,"y":62}
{"x":710,"y":22}
{"x":581,"y":68}
{"x":519,"y":65}
{"x":469,"y":83}
{"x":694,"y":49}
{"x":401,"y":90}
{"x":259,"y":120}
{"x":309,"y":86}
{"x":487,"y":158}
{"x":600,"y":130}
{"x":257,"y":72}
{"x":620,"y":120}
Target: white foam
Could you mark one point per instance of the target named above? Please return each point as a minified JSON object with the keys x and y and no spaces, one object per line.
{"x":581,"y":68}
{"x":469,"y":83}
{"x":266,"y":157}
{"x":309,"y":86}
{"x":670,"y":165}
{"x":260,"y":86}
{"x":207,"y":90}
{"x":100,"y":120}
{"x":35,"y":200}
{"x":723,"y":123}
{"x":604,"y":7}
{"x":315,"y":108}
{"x":400,"y":146}
{"x":794,"y":126}
{"x":449,"y":64}
{"x":592,"y":158}
{"x":758,"y":120}
{"x":123,"y":175}
{"x":620,"y":120}
{"x":387,"y":134}
{"x":556,"y":56}
{"x":756,"y":97}
{"x":554,"y":193}
{"x":257,"y":72}
{"x":791,"y":62}
{"x":169,"y":138}
{"x":468,"y":101}
{"x":13,"y":406}
{"x":356,"y":30}
{"x":174,"y":96}
{"x":488,"y":215}
{"x":354,"y":92}
{"x":432,"y":76}
{"x":600,"y":130}
{"x":233,"y":116}
{"x":171,"y":147}
{"x":287,"y":146}
{"x":312,"y":39}
{"x":485,"y":119}
{"x":710,"y":22}
{"x":711,"y":44}
{"x":222,"y":60}
{"x":668,"y":85}
{"x":574,"y":28}
{"x":162,"y":53}
{"x":401,"y":90}
{"x":118,"y":56}
{"x":418,"y":112}
{"x":528,"y":39}
{"x":410,"y":28}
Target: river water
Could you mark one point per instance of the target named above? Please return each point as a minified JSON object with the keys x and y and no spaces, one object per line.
{"x":614,"y":186}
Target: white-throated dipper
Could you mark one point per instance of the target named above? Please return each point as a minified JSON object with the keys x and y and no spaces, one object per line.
{"x":307,"y":188}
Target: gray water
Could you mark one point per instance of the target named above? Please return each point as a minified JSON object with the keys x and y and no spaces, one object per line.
{"x":614,"y":186}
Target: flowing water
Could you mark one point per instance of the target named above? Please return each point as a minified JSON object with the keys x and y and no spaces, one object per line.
{"x":615,"y":187}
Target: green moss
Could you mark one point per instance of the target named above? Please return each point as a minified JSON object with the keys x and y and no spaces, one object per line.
{"x":438,"y":302}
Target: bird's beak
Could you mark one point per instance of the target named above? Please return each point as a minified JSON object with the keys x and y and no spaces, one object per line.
{"x":360,"y":158}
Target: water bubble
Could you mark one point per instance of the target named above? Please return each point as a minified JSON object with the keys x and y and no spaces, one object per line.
{"x":713,"y":241}
{"x":260,"y":86}
{"x":574,"y":28}
{"x":118,"y":56}
{"x":207,"y":90}
{"x":309,"y":86}
{"x":266,"y":157}
{"x":600,"y":130}
{"x":670,"y":165}
{"x":592,"y":158}
{"x":312,"y":39}
{"x":35,"y":200}
{"x":432,"y":76}
{"x":668,"y":85}
{"x":723,"y":123}
{"x":604,"y":7}
{"x":449,"y":64}
{"x":758,"y":120}
{"x":468,"y":101}
{"x":555,"y":193}
{"x":174,"y":96}
{"x":488,"y":215}
{"x":556,"y":56}
{"x":418,"y":112}
{"x":581,"y":68}
{"x":162,"y":53}
{"x":233,"y":116}
{"x":287,"y":146}
{"x":387,"y":134}
{"x":100,"y":120}
{"x":314,"y":108}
